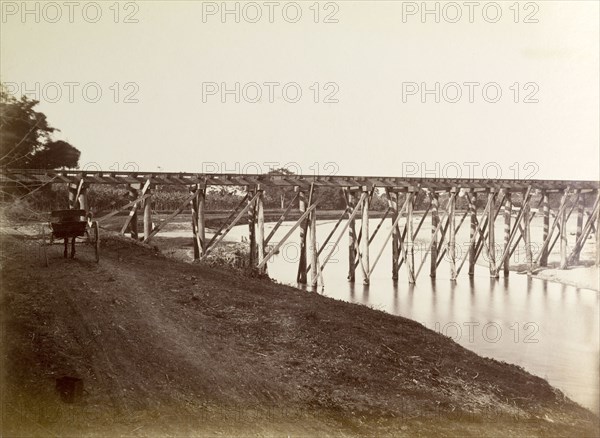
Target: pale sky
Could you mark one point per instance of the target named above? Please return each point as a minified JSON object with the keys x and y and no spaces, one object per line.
{"x":369,"y":56}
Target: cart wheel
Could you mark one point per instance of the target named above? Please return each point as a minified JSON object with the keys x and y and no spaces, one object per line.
{"x":44,"y":247}
{"x":96,"y":239}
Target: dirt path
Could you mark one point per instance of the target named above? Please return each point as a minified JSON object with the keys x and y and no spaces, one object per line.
{"x":173,"y":349}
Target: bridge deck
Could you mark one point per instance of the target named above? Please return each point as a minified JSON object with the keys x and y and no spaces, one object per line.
{"x":16,"y":177}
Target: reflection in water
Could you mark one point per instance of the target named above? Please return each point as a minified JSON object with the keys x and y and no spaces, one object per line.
{"x":551,"y":330}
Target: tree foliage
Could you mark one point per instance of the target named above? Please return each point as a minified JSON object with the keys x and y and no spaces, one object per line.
{"x":26,"y":141}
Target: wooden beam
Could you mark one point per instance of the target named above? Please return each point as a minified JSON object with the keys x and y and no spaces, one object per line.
{"x":200,"y":219}
{"x":435,"y":226}
{"x":252,"y":254}
{"x":275,"y":249}
{"x":351,"y":236}
{"x":410,"y":247}
{"x":492,"y":233}
{"x":527,"y":235}
{"x":546,"y":227}
{"x":195,"y":240}
{"x":472,"y":231}
{"x":432,"y":248}
{"x":514,"y":230}
{"x":574,"y":204}
{"x":226,"y":222}
{"x":82,"y":196}
{"x":365,"y":241}
{"x":393,"y":205}
{"x":132,"y":193}
{"x":563,"y":239}
{"x":397,"y":217}
{"x":229,"y":227}
{"x":580,"y":215}
{"x":598,"y":230}
{"x":314,"y":257}
{"x":452,"y":236}
{"x":134,"y":206}
{"x":281,"y":218}
{"x":165,"y":221}
{"x":561,"y":208}
{"x":479,"y":230}
{"x":72,"y":195}
{"x":301,"y":275}
{"x":589,"y":226}
{"x":347,"y":225}
{"x":148,"y":215}
{"x":260,"y":231}
{"x":507,"y":229}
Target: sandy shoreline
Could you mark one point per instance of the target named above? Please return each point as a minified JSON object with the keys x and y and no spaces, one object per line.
{"x":582,"y":277}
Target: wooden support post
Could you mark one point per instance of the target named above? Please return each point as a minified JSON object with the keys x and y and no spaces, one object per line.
{"x":527,"y":236}
{"x":546,"y":227}
{"x":393,"y":204}
{"x":72,"y":196}
{"x":435,"y":220}
{"x":251,"y":228}
{"x":195,"y":239}
{"x":563,"y":238}
{"x":563,"y":206}
{"x":580,"y":213}
{"x":133,"y":224}
{"x":410,"y":247}
{"x":507,"y":229}
{"x":351,"y":239}
{"x":314,"y":258}
{"x":83,"y":200}
{"x":597,"y":231}
{"x":260,"y":235}
{"x":452,"y":234}
{"x":200,"y":219}
{"x":148,"y":214}
{"x":472,"y":232}
{"x":365,"y":235}
{"x":492,"y":233}
{"x":301,"y":277}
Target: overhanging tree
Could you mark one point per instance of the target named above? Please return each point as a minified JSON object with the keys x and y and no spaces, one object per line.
{"x":26,"y":137}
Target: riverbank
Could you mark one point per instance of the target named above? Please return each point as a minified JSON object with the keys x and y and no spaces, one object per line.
{"x":170,"y":348}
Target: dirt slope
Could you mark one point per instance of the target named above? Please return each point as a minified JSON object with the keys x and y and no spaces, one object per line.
{"x":172,"y":349}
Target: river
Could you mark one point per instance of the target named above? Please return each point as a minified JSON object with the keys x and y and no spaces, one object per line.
{"x":549,"y":329}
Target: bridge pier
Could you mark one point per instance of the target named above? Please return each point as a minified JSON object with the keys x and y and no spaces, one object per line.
{"x":546,"y":227}
{"x":301,"y":277}
{"x":351,"y":204}
{"x":435,"y":220}
{"x":452,"y":234}
{"x":472,"y":231}
{"x":314,"y":257}
{"x":527,"y":235}
{"x":260,"y":234}
{"x":580,"y":214}
{"x":393,"y":205}
{"x":562,"y":232}
{"x":132,"y":194}
{"x":492,"y":232}
{"x":251,"y":227}
{"x":148,"y":213}
{"x":365,"y":235}
{"x":507,"y":230}
{"x":198,"y":205}
{"x":410,"y":245}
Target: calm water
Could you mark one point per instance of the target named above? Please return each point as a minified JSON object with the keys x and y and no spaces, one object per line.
{"x":549,"y":329}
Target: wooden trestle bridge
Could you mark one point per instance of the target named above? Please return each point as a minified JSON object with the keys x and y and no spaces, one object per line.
{"x":358,"y":191}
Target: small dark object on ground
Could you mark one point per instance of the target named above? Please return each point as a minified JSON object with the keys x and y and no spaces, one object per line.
{"x":69,"y":388}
